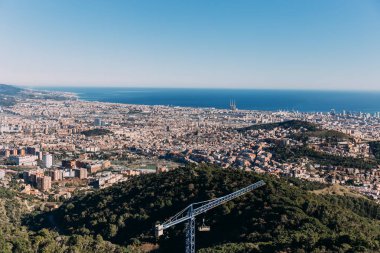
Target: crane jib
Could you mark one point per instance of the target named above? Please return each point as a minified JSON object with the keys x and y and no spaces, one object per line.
{"x":222,"y":200}
{"x":189,"y":213}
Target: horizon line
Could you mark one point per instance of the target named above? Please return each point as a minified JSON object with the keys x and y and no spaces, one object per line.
{"x":30,"y":86}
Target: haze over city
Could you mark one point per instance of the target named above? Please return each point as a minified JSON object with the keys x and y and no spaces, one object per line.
{"x":219,"y":44}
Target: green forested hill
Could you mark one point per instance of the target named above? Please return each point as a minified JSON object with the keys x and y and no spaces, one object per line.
{"x":96,"y":132}
{"x":279,"y":217}
{"x":294,"y":124}
{"x":375,"y":149}
{"x":291,"y":154}
{"x":15,"y":238}
{"x":311,"y":130}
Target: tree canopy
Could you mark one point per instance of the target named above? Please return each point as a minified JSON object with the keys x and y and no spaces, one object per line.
{"x":283,"y":216}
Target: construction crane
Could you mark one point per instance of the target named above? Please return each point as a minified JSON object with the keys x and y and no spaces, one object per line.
{"x":189,"y":213}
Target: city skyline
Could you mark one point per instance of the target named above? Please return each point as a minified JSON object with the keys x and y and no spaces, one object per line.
{"x":215,"y":44}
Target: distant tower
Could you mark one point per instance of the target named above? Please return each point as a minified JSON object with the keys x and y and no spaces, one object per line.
{"x":97,"y":122}
{"x":233,"y":105}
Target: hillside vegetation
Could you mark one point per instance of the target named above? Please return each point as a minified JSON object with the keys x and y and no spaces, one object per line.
{"x":309,"y":130}
{"x":375,"y":149}
{"x":291,"y":154}
{"x":280,"y":217}
{"x":96,"y":132}
{"x":294,"y":124}
{"x":15,"y":238}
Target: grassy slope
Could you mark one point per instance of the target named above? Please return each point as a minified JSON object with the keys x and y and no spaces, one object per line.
{"x":339,"y":190}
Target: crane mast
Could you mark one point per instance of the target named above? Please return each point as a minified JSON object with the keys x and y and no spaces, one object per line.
{"x":190,"y":212}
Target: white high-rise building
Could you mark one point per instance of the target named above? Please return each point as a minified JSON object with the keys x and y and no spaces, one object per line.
{"x":47,"y":160}
{"x":2,"y":174}
{"x":29,"y":160}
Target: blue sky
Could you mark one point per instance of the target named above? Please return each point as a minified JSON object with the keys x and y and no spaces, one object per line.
{"x":324,"y":44}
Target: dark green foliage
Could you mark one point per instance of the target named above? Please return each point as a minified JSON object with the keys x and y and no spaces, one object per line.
{"x":375,"y":148}
{"x":293,"y":153}
{"x":15,"y":238}
{"x":310,"y":130}
{"x":361,"y":206}
{"x":277,"y":217}
{"x":232,"y":247}
{"x":329,"y":135}
{"x":96,"y":132}
{"x":306,"y":185}
{"x":294,"y":124}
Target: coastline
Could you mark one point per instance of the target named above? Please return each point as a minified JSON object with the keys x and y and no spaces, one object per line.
{"x":253,"y":100}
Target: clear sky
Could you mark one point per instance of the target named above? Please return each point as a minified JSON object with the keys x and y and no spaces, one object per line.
{"x":316,"y":44}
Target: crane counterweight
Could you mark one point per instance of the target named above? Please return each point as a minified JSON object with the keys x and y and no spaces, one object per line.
{"x":159,"y":230}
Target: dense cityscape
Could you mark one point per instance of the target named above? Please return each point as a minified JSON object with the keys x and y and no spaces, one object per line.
{"x":189,"y":126}
{"x":54,"y":148}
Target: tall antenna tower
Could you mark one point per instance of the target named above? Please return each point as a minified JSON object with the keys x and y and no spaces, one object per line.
{"x":233,"y":105}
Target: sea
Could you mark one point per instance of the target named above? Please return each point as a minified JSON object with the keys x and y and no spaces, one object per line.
{"x":246,"y":99}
